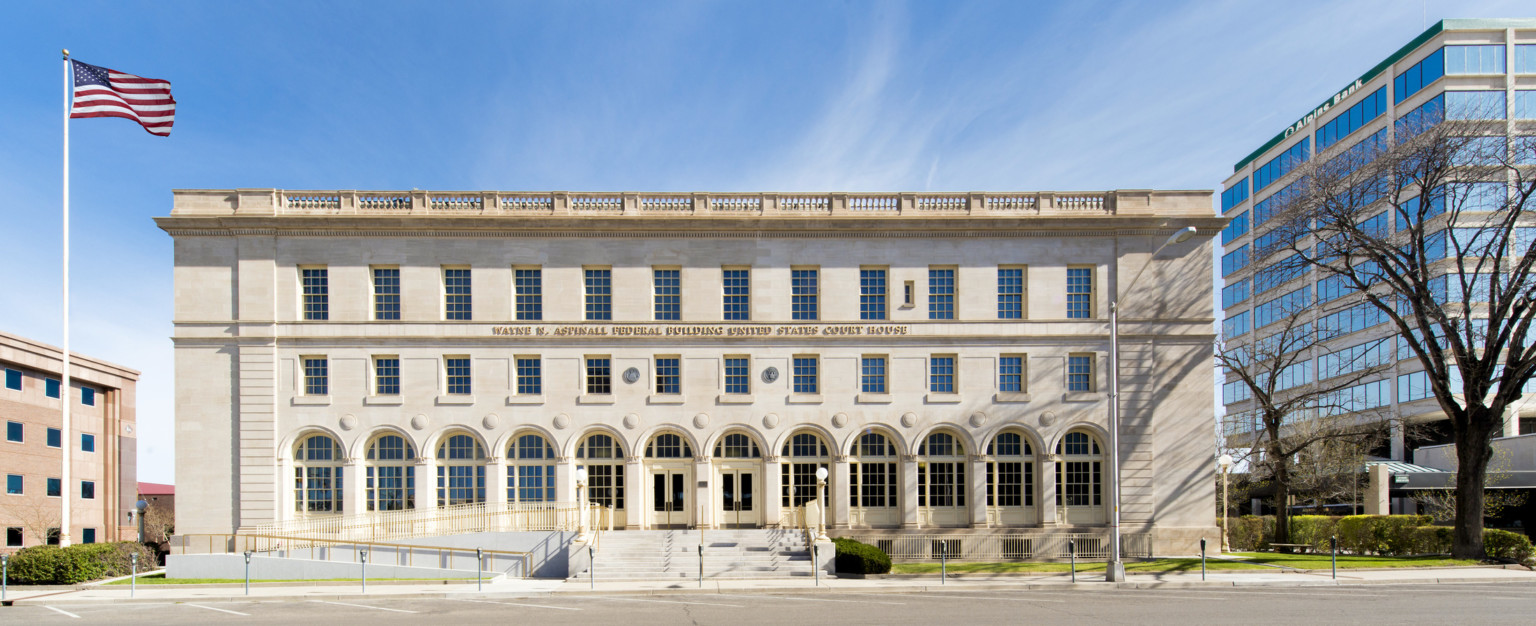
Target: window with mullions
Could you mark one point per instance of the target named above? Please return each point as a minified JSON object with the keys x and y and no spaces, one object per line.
{"x":599,"y":286}
{"x":1079,"y":292}
{"x":317,"y":475}
{"x":386,"y":376}
{"x":806,"y":378}
{"x":1010,"y":374}
{"x":1276,"y":168}
{"x":1235,"y":228}
{"x":1234,"y":293}
{"x":1236,"y":391}
{"x":317,"y":379}
{"x":872,"y":304}
{"x":1525,"y":109}
{"x":316,"y":291}
{"x":872,"y":374}
{"x":1080,"y":373}
{"x":1418,"y":75}
{"x":529,"y":287}
{"x":738,"y":379}
{"x":1010,"y":293}
{"x":941,"y":294}
{"x":603,"y":458}
{"x":531,"y":477}
{"x":1010,"y":471}
{"x":391,"y":474}
{"x":667,"y":287}
{"x":457,"y":376}
{"x":1352,"y":119}
{"x":804,"y":291}
{"x":1079,"y":475}
{"x":803,"y":454}
{"x":457,"y":303}
{"x":1236,"y":325}
{"x":530,"y":377}
{"x":669,"y":375}
{"x":1288,"y":305}
{"x":386,"y":293}
{"x":941,"y":472}
{"x":941,"y":374}
{"x":736,"y":294}
{"x":599,"y":375}
{"x":1525,"y":63}
{"x":737,"y":446}
{"x":1234,"y":195}
{"x":1485,"y":59}
{"x":1234,"y":261}
{"x":460,"y":471}
{"x":668,"y":446}
{"x":1418,"y":120}
{"x":873,"y":481}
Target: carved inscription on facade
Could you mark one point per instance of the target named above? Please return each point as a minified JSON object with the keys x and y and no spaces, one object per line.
{"x":732,"y":330}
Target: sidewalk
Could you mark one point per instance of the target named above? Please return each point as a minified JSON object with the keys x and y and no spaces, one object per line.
{"x":540,"y":587}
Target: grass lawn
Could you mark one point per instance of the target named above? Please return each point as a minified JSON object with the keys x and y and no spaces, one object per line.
{"x":1250,"y":561}
{"x":160,"y":579}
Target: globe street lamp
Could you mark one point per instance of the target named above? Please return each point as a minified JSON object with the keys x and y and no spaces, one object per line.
{"x":581,"y":504}
{"x":821,"y":502}
{"x":1114,"y":570}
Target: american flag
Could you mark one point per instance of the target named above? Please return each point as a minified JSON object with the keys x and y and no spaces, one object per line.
{"x":100,"y":92}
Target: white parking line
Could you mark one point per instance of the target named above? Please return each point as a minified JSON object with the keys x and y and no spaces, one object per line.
{"x":362,"y":606}
{"x":734,"y":606}
{"x":778,"y":597}
{"x":533,"y":606}
{"x":951,"y":596}
{"x":218,"y":609}
{"x":61,"y":611}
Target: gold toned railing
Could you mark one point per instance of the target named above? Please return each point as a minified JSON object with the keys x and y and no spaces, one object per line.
{"x":377,"y":552}
{"x":994,"y":547}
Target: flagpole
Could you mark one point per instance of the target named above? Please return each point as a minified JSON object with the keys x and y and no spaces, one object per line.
{"x":65,"y":493}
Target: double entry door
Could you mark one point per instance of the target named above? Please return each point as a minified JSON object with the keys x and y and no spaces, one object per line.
{"x":669,"y":498}
{"x":739,"y":507}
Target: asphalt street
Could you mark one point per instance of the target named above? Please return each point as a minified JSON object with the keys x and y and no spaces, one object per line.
{"x":1376,"y":604}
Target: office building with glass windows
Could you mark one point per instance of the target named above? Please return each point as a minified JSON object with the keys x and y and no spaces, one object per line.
{"x":695,"y":357}
{"x":1457,"y":69}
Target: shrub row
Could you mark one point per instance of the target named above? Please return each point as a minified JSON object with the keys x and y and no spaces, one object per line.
{"x":854,"y":557}
{"x":52,"y":565}
{"x":1393,"y":535}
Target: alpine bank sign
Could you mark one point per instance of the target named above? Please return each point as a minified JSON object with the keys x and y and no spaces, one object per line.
{"x":1325,"y":106}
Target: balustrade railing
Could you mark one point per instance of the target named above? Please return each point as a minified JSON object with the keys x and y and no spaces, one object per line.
{"x":1079,"y":203}
{"x":612,"y":204}
{"x":805,"y":204}
{"x":736,"y":204}
{"x":1012,"y":203}
{"x":457,"y":203}
{"x":665,"y":203}
{"x":958,"y":204}
{"x":515,"y":204}
{"x":384,"y":204}
{"x":1005,"y":546}
{"x":874,"y":203}
{"x":307,"y":203}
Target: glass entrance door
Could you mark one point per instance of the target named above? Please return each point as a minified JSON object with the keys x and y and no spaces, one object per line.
{"x":669,"y":499}
{"x":738,"y":491}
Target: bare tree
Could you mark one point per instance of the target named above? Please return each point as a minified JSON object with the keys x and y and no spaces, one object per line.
{"x":1293,"y":411}
{"x":1333,"y":471}
{"x":40,"y":519}
{"x":1441,"y":504}
{"x":159,"y":524}
{"x":1424,"y":221}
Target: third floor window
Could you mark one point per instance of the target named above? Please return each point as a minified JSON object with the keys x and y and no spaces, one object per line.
{"x":737,"y":292}
{"x":1079,"y":292}
{"x":529,"y":285}
{"x":456,"y":294}
{"x":941,"y":294}
{"x":872,"y":294}
{"x":803,"y":293}
{"x":599,"y":286}
{"x":386,"y":293}
{"x":1010,"y":293}
{"x":668,"y":288}
{"x":316,"y":287}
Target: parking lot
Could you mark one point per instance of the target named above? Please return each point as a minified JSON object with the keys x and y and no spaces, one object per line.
{"x":1373,"y":603}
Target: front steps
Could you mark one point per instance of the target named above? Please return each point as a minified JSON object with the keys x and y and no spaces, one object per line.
{"x":674,"y":555}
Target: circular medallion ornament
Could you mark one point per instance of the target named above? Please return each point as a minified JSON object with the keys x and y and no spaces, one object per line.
{"x":909,"y":419}
{"x":491,"y":421}
{"x":977,"y":419}
{"x":631,"y":375}
{"x":562,"y":421}
{"x":770,"y":374}
{"x":631,"y":421}
{"x":701,"y":420}
{"x":1047,"y":418}
{"x":771,"y":421}
{"x":419,"y":422}
{"x":347,"y":422}
{"x":840,"y":420}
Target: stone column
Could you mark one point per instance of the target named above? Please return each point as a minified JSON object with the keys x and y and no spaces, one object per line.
{"x":426,"y":482}
{"x":837,"y":491}
{"x":977,"y":485}
{"x":909,"y":491}
{"x":770,"y":499}
{"x":354,"y":487}
{"x":565,"y":480}
{"x":703,"y":502}
{"x":284,"y":498}
{"x":495,"y":492}
{"x":636,"y":499}
{"x":1047,"y":491}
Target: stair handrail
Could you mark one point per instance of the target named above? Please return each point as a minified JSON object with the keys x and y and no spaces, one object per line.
{"x":265,"y":544}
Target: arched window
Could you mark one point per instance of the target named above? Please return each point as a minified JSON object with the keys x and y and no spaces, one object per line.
{"x":460,"y":470}
{"x":603,"y":458}
{"x":873,"y":478}
{"x":668,"y":446}
{"x":391,"y":474}
{"x":317,"y":468}
{"x":941,"y":471}
{"x":531,"y":469}
{"x":1010,"y":471}
{"x":1080,"y":473}
{"x":737,"y":446}
{"x":804,"y":453}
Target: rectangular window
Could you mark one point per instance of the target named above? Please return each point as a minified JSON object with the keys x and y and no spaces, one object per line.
{"x":1235,"y":392}
{"x":386,"y":293}
{"x":1235,"y":228}
{"x":941,"y":294}
{"x":806,"y":375}
{"x":738,"y":378}
{"x":1287,"y":305}
{"x":1525,"y":63}
{"x":1413,"y":386}
{"x":13,"y":432}
{"x":669,"y":375}
{"x":599,"y":375}
{"x":386,"y":376}
{"x":804,"y":290}
{"x":14,"y":538}
{"x":457,"y":304}
{"x":529,"y":286}
{"x":941,"y":374}
{"x":51,"y":387}
{"x":87,"y":442}
{"x":668,"y":287}
{"x":1354,"y":358}
{"x":1234,"y":195}
{"x":872,"y":294}
{"x":599,"y":286}
{"x":457,"y":375}
{"x":1475,"y":105}
{"x":1236,"y":325}
{"x":1010,"y":373}
{"x":1079,"y":292}
{"x":736,"y":294}
{"x":872,"y":374}
{"x":530,"y":376}
{"x":55,"y":438}
{"x":1418,"y":75}
{"x":88,"y":535}
{"x":1352,"y":119}
{"x":1234,"y":293}
{"x":910,"y":292}
{"x":1352,"y":319}
{"x":317,"y":290}
{"x":87,"y":490}
{"x":1474,"y":59}
{"x":1276,"y":168}
{"x":1080,"y":373}
{"x":55,"y":487}
{"x":13,"y":484}
{"x":1010,"y":293}
{"x":87,"y":396}
{"x":316,"y":375}
{"x":1525,"y":109}
{"x":13,"y":379}
{"x":1234,"y":261}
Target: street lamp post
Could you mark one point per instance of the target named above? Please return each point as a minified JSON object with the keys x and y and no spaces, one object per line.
{"x":581,"y":503}
{"x":1226,"y":463}
{"x":1114,"y":570}
{"x":821,"y":501}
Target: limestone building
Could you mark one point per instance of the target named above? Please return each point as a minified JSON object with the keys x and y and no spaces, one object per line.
{"x":698,"y":356}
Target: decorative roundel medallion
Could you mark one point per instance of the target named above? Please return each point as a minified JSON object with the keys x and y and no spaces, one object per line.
{"x":631,"y":375}
{"x":701,"y":420}
{"x":562,"y":421}
{"x":771,"y":421}
{"x":1047,"y":418}
{"x":977,"y":419}
{"x":909,"y":419}
{"x":631,"y":421}
{"x":840,"y":420}
{"x":348,"y":422}
{"x":770,"y":374}
{"x":491,"y":421}
{"x":419,"y":422}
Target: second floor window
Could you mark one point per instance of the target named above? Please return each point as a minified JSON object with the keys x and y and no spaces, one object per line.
{"x":386,"y":293}
{"x":599,"y":283}
{"x":1079,"y":292}
{"x":872,"y":294}
{"x":386,"y":376}
{"x":1010,"y":293}
{"x":456,"y":294}
{"x":599,"y":376}
{"x":668,"y":286}
{"x":530,"y":378}
{"x":457,"y":376}
{"x":529,"y":285}
{"x":737,"y":294}
{"x":941,"y":374}
{"x":669,"y":378}
{"x":316,"y":288}
{"x":316,"y":376}
{"x":941,"y":294}
{"x":803,"y":293}
{"x":1080,"y":373}
{"x":806,"y":375}
{"x":1010,"y":374}
{"x":872,"y":374}
{"x":738,"y":378}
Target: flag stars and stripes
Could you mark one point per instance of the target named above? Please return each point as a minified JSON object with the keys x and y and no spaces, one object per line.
{"x":101,"y":92}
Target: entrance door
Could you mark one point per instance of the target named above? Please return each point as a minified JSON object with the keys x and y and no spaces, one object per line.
{"x":738,"y":499}
{"x":669,"y":499}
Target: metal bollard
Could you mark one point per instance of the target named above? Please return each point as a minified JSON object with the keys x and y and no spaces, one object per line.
{"x":362,"y":555}
{"x":479,"y":569}
{"x":5,"y":574}
{"x":133,"y":579}
{"x":591,"y":568}
{"x":247,"y":572}
{"x":815,"y":564}
{"x":943,"y":560}
{"x":1072,"y":553}
{"x":1333,"y":542}
{"x":1202,"y":558}
{"x":701,"y":566}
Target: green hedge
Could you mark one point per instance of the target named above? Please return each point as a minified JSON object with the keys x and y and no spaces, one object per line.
{"x":52,"y":565}
{"x":1433,"y":539}
{"x":1502,"y":544}
{"x":1395,"y":535}
{"x":854,"y":557}
{"x":1250,"y":532}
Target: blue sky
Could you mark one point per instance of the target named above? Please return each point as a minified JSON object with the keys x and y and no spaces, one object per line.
{"x":689,"y":96}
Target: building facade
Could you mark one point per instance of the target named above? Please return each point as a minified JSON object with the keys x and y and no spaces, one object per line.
{"x":101,"y":446}
{"x":1457,"y":69}
{"x":697,"y":356}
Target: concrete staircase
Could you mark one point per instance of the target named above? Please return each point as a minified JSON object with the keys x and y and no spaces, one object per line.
{"x":674,"y":555}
